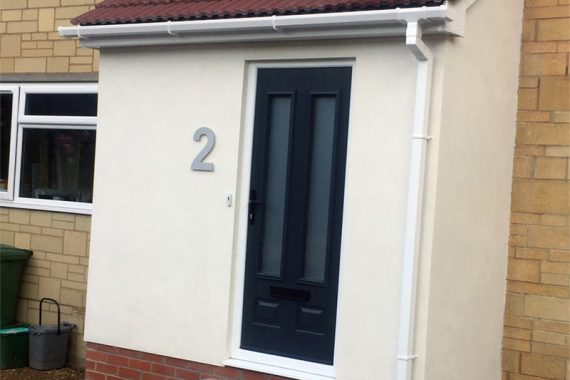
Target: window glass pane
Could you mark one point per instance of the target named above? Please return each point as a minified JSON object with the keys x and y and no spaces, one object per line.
{"x":61,"y":104}
{"x":280,"y":109}
{"x":57,"y":164}
{"x":320,"y":185}
{"x":5,"y":135}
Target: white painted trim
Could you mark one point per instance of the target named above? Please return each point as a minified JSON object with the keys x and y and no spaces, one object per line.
{"x":15,"y":91}
{"x":52,"y":88}
{"x":67,"y":207}
{"x":375,"y":23}
{"x":240,"y":358}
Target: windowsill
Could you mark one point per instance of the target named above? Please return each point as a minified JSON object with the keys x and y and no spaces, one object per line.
{"x":292,"y":368}
{"x":87,"y":209}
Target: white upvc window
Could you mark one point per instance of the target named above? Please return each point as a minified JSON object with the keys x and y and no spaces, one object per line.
{"x":47,"y":146}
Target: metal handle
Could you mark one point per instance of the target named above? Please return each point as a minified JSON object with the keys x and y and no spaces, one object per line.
{"x":252,"y":203}
{"x":58,"y":312}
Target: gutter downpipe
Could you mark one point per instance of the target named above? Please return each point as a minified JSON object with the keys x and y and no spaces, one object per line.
{"x":413,"y":230}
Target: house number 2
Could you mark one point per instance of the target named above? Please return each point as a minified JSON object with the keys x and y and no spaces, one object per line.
{"x":198,"y":164}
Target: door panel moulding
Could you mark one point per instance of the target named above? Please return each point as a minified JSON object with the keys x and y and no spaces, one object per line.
{"x":442,"y":20}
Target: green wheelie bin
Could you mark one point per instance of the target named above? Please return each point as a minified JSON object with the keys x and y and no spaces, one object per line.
{"x":12,"y":261}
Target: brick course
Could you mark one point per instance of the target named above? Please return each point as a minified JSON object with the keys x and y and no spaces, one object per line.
{"x":57,"y":268}
{"x":108,"y":363}
{"x":536,"y":336}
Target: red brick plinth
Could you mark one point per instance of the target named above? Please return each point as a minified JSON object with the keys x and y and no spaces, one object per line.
{"x":112,"y":363}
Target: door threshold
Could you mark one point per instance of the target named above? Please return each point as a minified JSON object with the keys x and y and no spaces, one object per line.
{"x":301,"y":371}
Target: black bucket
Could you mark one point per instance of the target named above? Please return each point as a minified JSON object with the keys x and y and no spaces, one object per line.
{"x":49,"y":343}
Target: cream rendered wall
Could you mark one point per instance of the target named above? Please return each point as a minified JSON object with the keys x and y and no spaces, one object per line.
{"x":162,"y":254}
{"x":465,"y":266}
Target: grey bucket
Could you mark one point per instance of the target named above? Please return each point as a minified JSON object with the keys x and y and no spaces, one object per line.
{"x":48,"y":343}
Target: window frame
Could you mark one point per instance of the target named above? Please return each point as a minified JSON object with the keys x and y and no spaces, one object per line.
{"x":21,"y":122}
{"x":15,"y":91}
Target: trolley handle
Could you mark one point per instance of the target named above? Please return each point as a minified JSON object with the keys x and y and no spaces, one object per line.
{"x":58,"y":312}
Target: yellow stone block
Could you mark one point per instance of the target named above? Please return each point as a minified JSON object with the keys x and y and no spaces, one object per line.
{"x":529,"y":30}
{"x":558,"y":151}
{"x":37,"y":53}
{"x":49,"y":287}
{"x":538,"y":196}
{"x":514,"y":305}
{"x":527,"y":99}
{"x":11,"y":15}
{"x":30,"y":14}
{"x":75,"y":243}
{"x":39,"y":36}
{"x":540,"y":3}
{"x":13,"y":4}
{"x":22,"y":27}
{"x":555,"y":267}
{"x":560,"y":256}
{"x":81,"y":60}
{"x":537,"y":289}
{"x":58,"y":65}
{"x":553,"y":30}
{"x":522,"y":167}
{"x":10,"y":45}
{"x":551,"y":349}
{"x":62,"y":258}
{"x":45,"y":45}
{"x":64,"y":217}
{"x":64,"y":48}
{"x":59,"y":270}
{"x":40,"y":218}
{"x":2,"y":27}
{"x":547,"y":308}
{"x":555,"y":279}
{"x":543,"y":366}
{"x":22,"y":240}
{"x":83,"y":223}
{"x":528,"y":82}
{"x":554,"y":220}
{"x":544,"y":64}
{"x":30,"y":65}
{"x":523,"y":323}
{"x":29,"y":45}
{"x":529,"y":150}
{"x":47,"y":243}
{"x":550,"y":168}
{"x":510,"y":361}
{"x":531,"y":253}
{"x":80,"y":68}
{"x":517,"y":333}
{"x":46,"y":19}
{"x":43,"y":3}
{"x":77,"y":2}
{"x":533,"y":116}
{"x":560,"y":117}
{"x":72,"y":297}
{"x":19,"y":216}
{"x":557,"y":327}
{"x":516,"y":345}
{"x":549,"y":237}
{"x":554,"y":94}
{"x":523,"y":270}
{"x":543,"y":134}
{"x":70,"y":12}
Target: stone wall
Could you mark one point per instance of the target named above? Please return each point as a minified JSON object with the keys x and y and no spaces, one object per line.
{"x":32,"y":50}
{"x":29,"y":42}
{"x":57,"y":268}
{"x":537,"y":316}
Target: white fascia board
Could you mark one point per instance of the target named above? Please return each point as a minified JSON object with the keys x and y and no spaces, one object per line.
{"x":390,"y":22}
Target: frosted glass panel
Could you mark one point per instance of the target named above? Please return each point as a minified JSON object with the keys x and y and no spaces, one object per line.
{"x":320,"y":185}
{"x":274,"y":205}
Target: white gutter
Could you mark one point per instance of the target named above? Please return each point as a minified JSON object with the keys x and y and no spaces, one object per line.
{"x":391,"y":22}
{"x":413,"y":231}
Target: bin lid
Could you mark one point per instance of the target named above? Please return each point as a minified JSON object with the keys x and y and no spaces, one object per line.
{"x":9,"y":253}
{"x":14,"y":331}
{"x":51,"y":329}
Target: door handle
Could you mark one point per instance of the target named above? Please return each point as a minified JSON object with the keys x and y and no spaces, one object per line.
{"x":252,"y":206}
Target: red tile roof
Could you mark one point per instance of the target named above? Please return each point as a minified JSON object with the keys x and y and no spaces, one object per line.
{"x":137,"y":11}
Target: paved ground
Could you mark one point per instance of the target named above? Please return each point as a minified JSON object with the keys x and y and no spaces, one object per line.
{"x":32,"y":374}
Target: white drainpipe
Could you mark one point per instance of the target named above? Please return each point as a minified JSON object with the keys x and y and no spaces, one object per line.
{"x":406,"y":353}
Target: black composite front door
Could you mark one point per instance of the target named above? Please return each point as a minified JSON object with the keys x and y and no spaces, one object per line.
{"x":295,"y":212}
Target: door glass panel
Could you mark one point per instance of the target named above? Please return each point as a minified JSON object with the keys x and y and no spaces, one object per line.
{"x":320,"y":185}
{"x":278,"y":146}
{"x":5,"y":137}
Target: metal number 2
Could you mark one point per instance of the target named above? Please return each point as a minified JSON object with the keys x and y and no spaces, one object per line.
{"x":198,"y":164}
